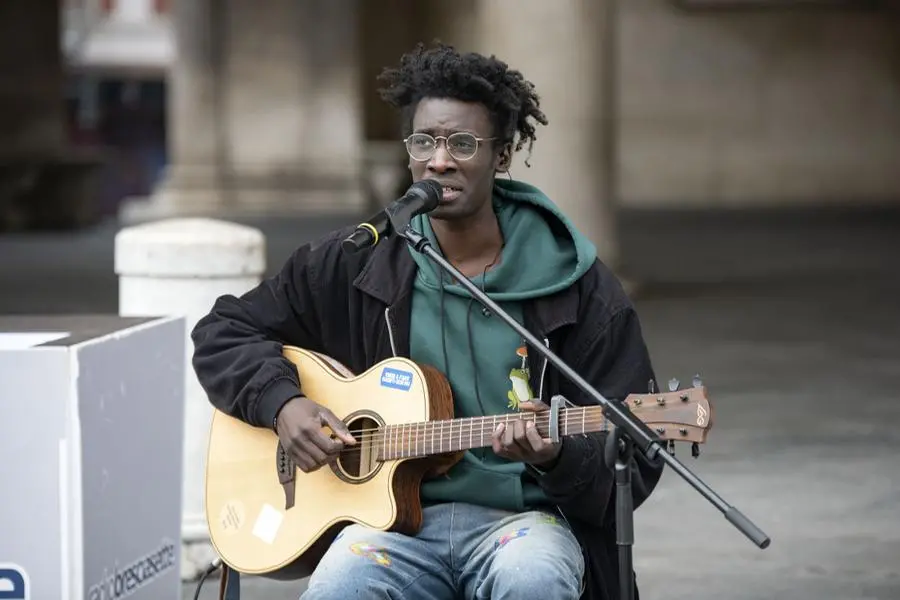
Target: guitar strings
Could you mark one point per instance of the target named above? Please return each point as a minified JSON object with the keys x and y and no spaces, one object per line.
{"x":411,"y":448}
{"x":437,"y":429}
{"x":407,"y":440}
{"x":398,"y":443}
{"x":568,"y":415}
{"x":401,"y":443}
{"x":455,"y":432}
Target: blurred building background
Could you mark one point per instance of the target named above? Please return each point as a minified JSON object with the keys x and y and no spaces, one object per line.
{"x":740,"y":157}
{"x":271,"y":106}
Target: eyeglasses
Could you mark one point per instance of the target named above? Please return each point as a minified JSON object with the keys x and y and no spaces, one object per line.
{"x":461,"y":145}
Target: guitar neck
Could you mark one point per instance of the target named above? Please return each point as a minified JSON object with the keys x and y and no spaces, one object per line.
{"x":413,"y":440}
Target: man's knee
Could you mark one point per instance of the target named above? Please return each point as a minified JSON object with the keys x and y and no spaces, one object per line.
{"x":338,"y":587}
{"x":358,"y":564}
{"x":363,"y":571}
{"x":363,"y":563}
{"x":559,"y":579}
{"x":543,"y":561}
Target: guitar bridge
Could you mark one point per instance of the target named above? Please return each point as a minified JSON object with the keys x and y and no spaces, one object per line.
{"x":286,"y":468}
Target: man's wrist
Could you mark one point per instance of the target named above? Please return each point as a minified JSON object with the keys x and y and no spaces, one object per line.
{"x":272,"y":399}
{"x":278,"y":412}
{"x":549,"y":465}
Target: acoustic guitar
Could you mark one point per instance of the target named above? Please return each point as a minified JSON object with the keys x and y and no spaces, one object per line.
{"x":268,"y":518}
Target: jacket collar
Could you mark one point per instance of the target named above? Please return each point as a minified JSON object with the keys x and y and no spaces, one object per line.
{"x":549,"y":313}
{"x":388,"y":276}
{"x":388,"y":272}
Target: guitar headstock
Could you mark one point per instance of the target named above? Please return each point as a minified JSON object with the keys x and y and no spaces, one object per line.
{"x":679,"y":415}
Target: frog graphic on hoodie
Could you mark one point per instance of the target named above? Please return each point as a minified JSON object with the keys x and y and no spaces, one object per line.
{"x":518,"y":378}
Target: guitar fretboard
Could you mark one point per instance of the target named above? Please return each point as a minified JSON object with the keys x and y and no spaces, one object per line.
{"x":413,"y":440}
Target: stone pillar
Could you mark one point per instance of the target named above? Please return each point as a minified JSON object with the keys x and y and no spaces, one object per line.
{"x":195,"y":129}
{"x":179,"y":267}
{"x":565,"y":48}
{"x":134,"y":11}
{"x":266,"y":108}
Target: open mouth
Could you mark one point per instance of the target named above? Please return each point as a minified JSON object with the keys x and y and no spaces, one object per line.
{"x":451,"y":192}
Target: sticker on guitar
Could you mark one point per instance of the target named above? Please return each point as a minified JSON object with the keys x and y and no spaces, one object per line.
{"x":268,"y":523}
{"x":232,"y":516}
{"x":397,"y":379}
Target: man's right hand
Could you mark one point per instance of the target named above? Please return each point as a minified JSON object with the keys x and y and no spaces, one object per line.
{"x":299,"y":426}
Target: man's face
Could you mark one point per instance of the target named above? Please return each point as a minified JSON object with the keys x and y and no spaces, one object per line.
{"x":467,"y":178}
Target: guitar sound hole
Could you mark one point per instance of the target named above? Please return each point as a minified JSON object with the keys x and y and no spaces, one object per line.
{"x":359,"y":463}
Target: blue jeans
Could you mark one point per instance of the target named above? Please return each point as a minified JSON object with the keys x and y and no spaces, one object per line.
{"x":461,"y":551}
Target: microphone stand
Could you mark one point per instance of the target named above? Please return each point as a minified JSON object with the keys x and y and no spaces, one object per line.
{"x":629,"y":435}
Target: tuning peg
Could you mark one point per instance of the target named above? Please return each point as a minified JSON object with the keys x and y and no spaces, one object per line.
{"x":670,"y":447}
{"x":651,"y":387}
{"x":673,"y":384}
{"x":695,"y":449}
{"x":697,"y":381}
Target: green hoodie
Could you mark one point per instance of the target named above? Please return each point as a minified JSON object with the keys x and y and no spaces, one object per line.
{"x":543,"y":253}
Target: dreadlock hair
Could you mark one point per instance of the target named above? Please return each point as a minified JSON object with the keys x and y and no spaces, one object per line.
{"x":443,"y":72}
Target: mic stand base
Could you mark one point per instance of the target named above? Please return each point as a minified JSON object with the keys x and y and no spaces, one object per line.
{"x":618,"y":452}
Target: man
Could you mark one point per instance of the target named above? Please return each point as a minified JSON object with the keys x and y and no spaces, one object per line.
{"x":524,"y":518}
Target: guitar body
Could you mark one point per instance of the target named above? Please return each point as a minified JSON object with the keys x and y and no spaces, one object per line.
{"x":250,"y":525}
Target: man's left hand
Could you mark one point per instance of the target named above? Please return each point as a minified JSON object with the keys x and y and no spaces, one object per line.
{"x":521,"y":441}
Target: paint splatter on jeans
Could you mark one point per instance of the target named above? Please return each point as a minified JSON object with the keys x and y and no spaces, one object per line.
{"x":462,"y":550}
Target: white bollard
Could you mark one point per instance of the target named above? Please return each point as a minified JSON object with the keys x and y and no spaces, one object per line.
{"x":178,"y":267}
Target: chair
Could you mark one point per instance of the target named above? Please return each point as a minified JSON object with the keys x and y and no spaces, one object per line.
{"x":229,"y":584}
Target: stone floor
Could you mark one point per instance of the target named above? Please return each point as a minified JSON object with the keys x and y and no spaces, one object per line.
{"x":793,"y":320}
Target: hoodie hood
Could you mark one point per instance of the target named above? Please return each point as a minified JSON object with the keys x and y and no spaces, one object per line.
{"x":543,"y":251}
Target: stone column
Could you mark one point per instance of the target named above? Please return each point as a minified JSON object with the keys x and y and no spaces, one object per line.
{"x":565,"y":48}
{"x":193,"y":179}
{"x":134,"y":11}
{"x":266,"y":108}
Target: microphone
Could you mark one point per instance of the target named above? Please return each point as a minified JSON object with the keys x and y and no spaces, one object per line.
{"x":421,"y":197}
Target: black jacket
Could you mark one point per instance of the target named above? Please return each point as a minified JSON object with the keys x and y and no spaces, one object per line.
{"x":356,"y":309}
